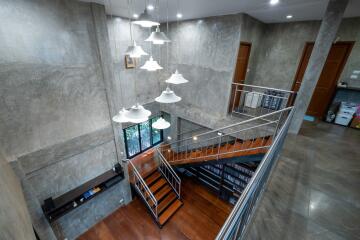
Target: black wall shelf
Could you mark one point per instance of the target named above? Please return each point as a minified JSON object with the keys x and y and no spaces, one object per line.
{"x":227,"y":180}
{"x":58,"y":207}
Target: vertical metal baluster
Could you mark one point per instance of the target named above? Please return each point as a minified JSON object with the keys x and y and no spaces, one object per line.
{"x":219,"y":145}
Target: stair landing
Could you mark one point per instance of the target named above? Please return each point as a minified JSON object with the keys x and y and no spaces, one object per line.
{"x":237,"y":148}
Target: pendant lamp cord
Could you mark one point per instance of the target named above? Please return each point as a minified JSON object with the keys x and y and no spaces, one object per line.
{"x":130,"y":25}
{"x":178,"y":42}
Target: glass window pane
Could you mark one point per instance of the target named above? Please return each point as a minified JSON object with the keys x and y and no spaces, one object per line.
{"x":145,"y":135}
{"x":156,"y":133}
{"x":132,"y":139}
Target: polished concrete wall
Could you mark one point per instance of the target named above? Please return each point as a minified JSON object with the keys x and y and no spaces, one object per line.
{"x":252,"y":31}
{"x":54,"y":109}
{"x":204,"y":51}
{"x":137,"y":85}
{"x":15,"y":220}
{"x":51,"y":83}
{"x":282,"y":47}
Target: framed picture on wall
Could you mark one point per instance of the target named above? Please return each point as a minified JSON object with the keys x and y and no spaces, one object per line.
{"x":129,"y":62}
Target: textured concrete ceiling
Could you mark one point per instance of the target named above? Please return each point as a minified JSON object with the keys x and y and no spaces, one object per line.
{"x":260,"y":9}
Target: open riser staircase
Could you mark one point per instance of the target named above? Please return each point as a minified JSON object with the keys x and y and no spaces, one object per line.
{"x":157,"y":183}
{"x":158,"y":187}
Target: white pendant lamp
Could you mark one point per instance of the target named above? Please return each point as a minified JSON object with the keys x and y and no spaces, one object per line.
{"x":120,"y":117}
{"x":177,"y":78}
{"x":158,"y":37}
{"x":135,"y":51}
{"x":168,"y":96}
{"x":151,"y":65}
{"x":144,"y":20}
{"x":137,"y":114}
{"x":161,"y":123}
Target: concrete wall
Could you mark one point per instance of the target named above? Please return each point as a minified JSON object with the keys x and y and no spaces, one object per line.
{"x":252,"y":31}
{"x":51,"y":83}
{"x":15,"y":220}
{"x":204,"y":51}
{"x":282,"y":47}
{"x":137,"y":85}
{"x":349,"y":31}
{"x":54,"y":112}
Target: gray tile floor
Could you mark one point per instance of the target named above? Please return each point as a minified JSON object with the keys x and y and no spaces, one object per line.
{"x":314,"y":191}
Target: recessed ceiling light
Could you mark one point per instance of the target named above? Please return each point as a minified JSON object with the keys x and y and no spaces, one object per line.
{"x":289,"y":16}
{"x":135,"y":15}
{"x":273,"y":2}
{"x":179,"y":15}
{"x":150,"y":7}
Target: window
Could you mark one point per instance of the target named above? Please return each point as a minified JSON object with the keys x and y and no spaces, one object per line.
{"x":140,"y":137}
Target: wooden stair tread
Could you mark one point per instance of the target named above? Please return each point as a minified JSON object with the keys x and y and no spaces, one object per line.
{"x":166,"y":202}
{"x":157,"y":185}
{"x":166,"y":215}
{"x":152,"y":178}
{"x":163,"y":192}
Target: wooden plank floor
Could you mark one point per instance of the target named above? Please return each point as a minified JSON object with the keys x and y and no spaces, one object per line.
{"x":201,"y":217}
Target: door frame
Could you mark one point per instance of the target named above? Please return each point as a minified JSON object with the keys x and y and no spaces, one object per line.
{"x":338,"y":74}
{"x":233,"y":93}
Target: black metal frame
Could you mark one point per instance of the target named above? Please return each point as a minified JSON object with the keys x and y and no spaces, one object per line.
{"x":152,"y":144}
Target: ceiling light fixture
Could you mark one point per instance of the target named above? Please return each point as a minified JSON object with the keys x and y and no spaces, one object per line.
{"x":150,"y":7}
{"x":274,"y":2}
{"x":137,"y":114}
{"x":157,"y":37}
{"x":151,"y":65}
{"x":144,"y":20}
{"x":177,"y":78}
{"x":161,"y":123}
{"x":168,"y":96}
{"x":289,"y":16}
{"x":120,"y":118}
{"x":179,"y":15}
{"x":135,"y":51}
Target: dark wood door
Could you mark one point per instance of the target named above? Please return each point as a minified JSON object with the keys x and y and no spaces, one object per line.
{"x":240,"y":71}
{"x":330,"y":74}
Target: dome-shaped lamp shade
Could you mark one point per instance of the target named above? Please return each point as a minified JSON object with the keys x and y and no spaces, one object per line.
{"x":135,"y":51}
{"x":168,"y":96}
{"x":144,"y":20}
{"x":120,"y":118}
{"x":161,"y":124}
{"x":158,"y":37}
{"x":177,"y":78}
{"x":151,"y":65}
{"x":137,"y":114}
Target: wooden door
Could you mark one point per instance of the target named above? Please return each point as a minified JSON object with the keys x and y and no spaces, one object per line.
{"x":330,"y":74}
{"x":240,"y":71}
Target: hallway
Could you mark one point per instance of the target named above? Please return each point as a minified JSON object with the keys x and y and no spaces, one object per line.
{"x":314,"y":191}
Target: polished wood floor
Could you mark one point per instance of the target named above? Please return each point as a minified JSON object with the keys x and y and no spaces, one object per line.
{"x":201,"y":217}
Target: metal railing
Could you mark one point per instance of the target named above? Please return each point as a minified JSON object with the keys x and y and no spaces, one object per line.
{"x":235,"y":227}
{"x":169,"y":173}
{"x":144,"y":191}
{"x":254,"y":134}
{"x":252,"y":101}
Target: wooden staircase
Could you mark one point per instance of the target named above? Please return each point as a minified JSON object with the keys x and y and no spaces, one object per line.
{"x":236,"y":148}
{"x":167,"y":199}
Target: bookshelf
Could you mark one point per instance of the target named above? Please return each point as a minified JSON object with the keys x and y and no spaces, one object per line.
{"x":226,"y":180}
{"x":56,"y":208}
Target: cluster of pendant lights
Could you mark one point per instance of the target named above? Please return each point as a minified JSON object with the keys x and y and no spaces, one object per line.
{"x":137,"y":113}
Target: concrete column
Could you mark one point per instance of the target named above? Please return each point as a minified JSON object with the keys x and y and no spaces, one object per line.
{"x":112,"y":87}
{"x":325,"y":38}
